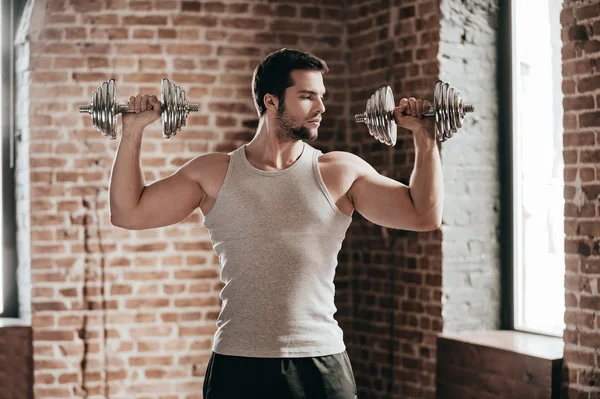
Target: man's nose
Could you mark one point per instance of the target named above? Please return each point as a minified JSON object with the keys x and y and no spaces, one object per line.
{"x":320,"y":106}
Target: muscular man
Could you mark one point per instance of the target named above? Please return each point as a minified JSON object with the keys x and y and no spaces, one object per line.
{"x":277,"y":210}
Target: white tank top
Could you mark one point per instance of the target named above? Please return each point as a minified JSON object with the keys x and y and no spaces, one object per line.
{"x":277,"y":235}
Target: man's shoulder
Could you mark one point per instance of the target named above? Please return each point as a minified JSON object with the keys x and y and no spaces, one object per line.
{"x":343,"y":159}
{"x":210,"y":162}
{"x":210,"y":159}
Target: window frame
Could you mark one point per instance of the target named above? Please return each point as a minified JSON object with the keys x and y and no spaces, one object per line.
{"x":508,"y":145}
{"x":505,"y":148}
{"x":11,"y":10}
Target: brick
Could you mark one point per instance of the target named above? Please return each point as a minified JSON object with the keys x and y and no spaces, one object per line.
{"x":578,"y":103}
{"x":236,"y":8}
{"x":143,"y":5}
{"x":590,"y":266}
{"x":166,"y":5}
{"x":58,"y":392}
{"x":95,"y":19}
{"x":566,"y":16}
{"x":589,"y":156}
{"x":44,"y":379}
{"x":196,"y":302}
{"x":196,"y":21}
{"x":407,"y":12}
{"x":150,"y":63}
{"x":188,"y":34}
{"x":195,"y":274}
{"x":568,"y":86}
{"x":72,"y":292}
{"x":167,"y":33}
{"x":196,"y":260}
{"x":189,"y":50}
{"x":243,"y":23}
{"x":310,"y":12}
{"x":589,"y":339}
{"x":578,"y":139}
{"x":145,"y":20}
{"x":591,"y":47}
{"x":586,"y":12}
{"x":135,"y":48}
{"x":285,"y":11}
{"x":121,"y":290}
{"x":143,"y":275}
{"x":144,"y":34}
{"x":70,"y":378}
{"x":589,"y":302}
{"x":155,"y":374}
{"x":587,"y":84}
{"x":169,"y":317}
{"x":569,"y":51}
{"x":117,"y":375}
{"x":148,"y":346}
{"x":192,"y":6}
{"x":94,"y":48}
{"x":151,"y":361}
{"x":53,"y":335}
{"x":70,"y":321}
{"x":42,"y":321}
{"x":145,"y":247}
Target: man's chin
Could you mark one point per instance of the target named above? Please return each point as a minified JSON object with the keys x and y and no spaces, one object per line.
{"x":313,"y":134}
{"x":305,"y":134}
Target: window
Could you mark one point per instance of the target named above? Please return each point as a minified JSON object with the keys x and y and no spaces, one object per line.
{"x":537,"y":168}
{"x":9,"y":305}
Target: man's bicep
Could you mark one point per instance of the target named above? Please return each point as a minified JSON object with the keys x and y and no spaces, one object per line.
{"x":166,"y":201}
{"x":384,"y":201}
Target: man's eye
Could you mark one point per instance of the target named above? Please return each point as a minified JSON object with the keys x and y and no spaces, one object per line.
{"x":306,"y":97}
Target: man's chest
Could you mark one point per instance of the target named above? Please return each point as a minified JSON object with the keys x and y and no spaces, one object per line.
{"x":336,"y":178}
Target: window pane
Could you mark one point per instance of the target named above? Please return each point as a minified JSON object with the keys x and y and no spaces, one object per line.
{"x":538,"y":168}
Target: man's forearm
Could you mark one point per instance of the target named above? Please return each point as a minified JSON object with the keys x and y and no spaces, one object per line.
{"x":426,"y":181}
{"x":127,"y":180}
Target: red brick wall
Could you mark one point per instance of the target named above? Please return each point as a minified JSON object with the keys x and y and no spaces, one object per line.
{"x":581,"y":84}
{"x":117,"y":313}
{"x":396,"y":274}
{"x":16,"y":358}
{"x":131,"y":314}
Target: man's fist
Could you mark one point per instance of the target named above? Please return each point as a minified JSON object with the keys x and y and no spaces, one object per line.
{"x":147,"y":110}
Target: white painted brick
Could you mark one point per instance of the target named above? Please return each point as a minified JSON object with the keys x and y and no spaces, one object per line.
{"x":470,"y":248}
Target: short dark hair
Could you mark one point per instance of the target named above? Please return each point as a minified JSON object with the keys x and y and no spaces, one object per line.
{"x":272,"y":75}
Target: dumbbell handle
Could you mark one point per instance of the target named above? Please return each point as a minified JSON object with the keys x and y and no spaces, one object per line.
{"x":431,"y":112}
{"x":363,"y":117}
{"x":124,"y":108}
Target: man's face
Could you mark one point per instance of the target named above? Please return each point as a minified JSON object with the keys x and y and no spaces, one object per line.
{"x":298,"y":117}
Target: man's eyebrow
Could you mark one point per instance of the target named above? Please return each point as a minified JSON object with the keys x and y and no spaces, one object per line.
{"x":310,"y":92}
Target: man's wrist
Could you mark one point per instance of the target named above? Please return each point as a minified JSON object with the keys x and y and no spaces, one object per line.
{"x":425,"y":140}
{"x":132,"y":131}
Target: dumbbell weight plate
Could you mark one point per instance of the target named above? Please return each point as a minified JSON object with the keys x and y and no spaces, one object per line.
{"x":166,"y":99}
{"x":380,"y":116}
{"x":175,"y":108}
{"x":110,"y":113}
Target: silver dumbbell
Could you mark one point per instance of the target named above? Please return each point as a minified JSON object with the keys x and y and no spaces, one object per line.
{"x":448,"y":109}
{"x":104,"y":108}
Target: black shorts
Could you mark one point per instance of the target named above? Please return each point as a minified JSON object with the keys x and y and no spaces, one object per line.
{"x":321,"y":377}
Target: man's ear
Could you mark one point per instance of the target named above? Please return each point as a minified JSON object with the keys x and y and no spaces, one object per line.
{"x":271,"y":102}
